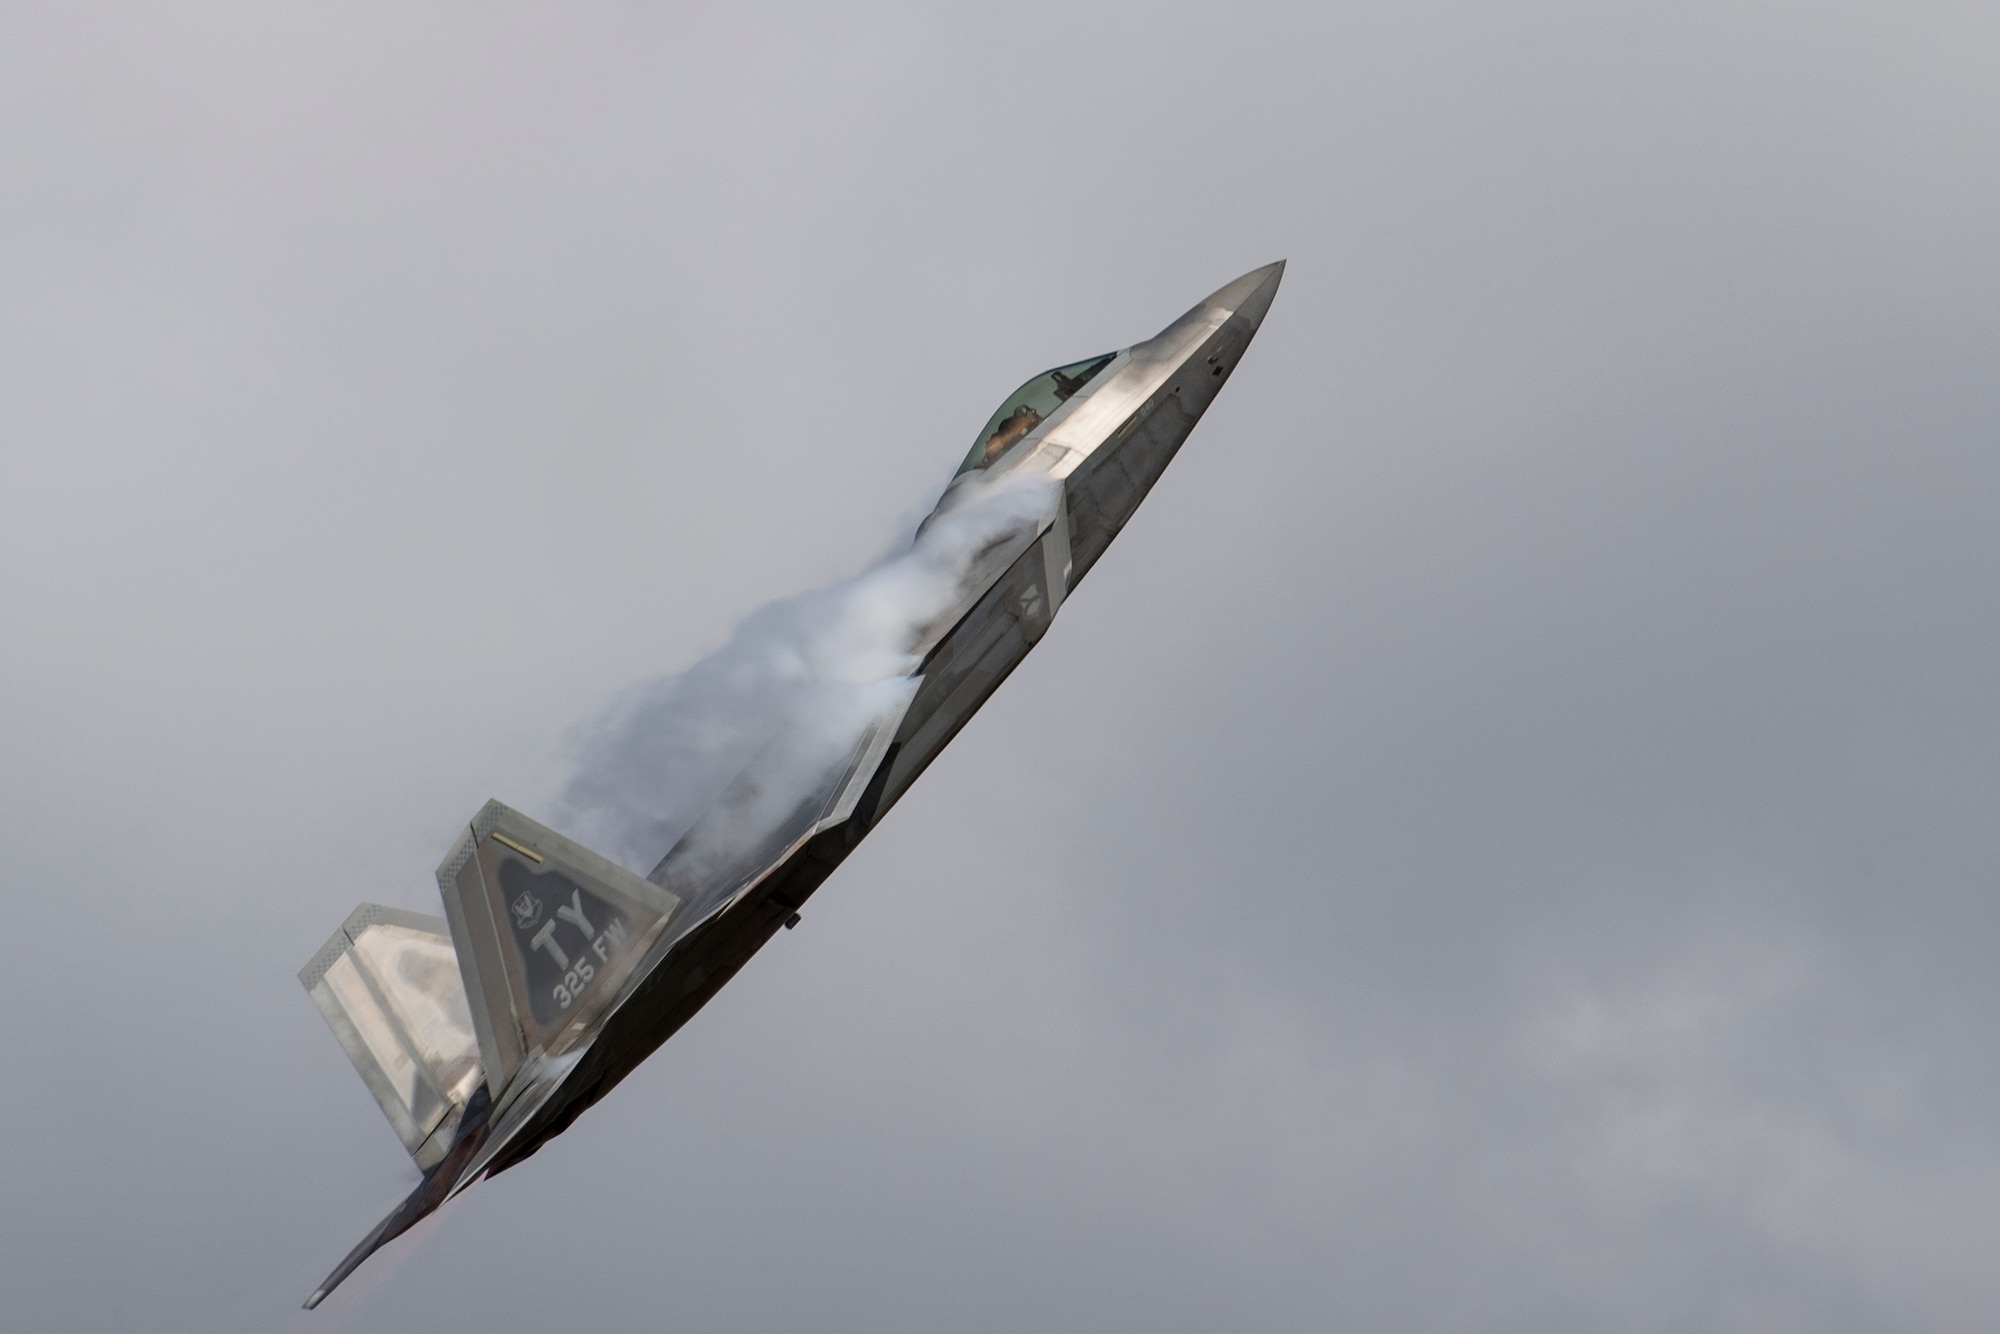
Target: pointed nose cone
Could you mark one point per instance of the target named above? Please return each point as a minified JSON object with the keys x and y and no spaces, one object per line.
{"x":1249,"y":296}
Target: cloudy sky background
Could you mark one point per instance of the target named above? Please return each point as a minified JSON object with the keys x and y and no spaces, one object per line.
{"x":1504,"y":841}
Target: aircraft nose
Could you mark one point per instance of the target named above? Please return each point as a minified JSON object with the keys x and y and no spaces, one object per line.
{"x":1249,"y":296}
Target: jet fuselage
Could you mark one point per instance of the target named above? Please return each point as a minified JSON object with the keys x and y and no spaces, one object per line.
{"x":1085,"y":442}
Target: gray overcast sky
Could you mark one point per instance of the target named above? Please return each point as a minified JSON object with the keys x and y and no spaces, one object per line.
{"x":1505,"y":840}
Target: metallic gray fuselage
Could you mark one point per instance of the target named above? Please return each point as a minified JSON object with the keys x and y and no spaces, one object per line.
{"x":958,"y":675}
{"x":1105,"y":451}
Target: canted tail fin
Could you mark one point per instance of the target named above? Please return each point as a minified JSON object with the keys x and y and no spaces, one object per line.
{"x":388,"y":985}
{"x":540,"y":939}
{"x":548,"y":932}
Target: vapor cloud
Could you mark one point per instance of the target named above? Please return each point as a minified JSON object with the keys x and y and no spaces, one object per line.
{"x":788,"y":695}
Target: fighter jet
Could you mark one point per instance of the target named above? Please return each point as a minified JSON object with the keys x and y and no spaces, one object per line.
{"x":555,"y":971}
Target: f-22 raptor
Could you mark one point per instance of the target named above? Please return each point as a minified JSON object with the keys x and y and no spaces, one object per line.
{"x":555,"y":971}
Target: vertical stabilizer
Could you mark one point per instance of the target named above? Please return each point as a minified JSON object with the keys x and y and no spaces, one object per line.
{"x":388,"y":985}
{"x":547,"y":934}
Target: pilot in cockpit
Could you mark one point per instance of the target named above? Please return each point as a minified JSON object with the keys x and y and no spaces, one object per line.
{"x":1009,"y":429}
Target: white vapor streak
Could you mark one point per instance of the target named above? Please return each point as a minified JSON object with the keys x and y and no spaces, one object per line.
{"x":811,"y":671}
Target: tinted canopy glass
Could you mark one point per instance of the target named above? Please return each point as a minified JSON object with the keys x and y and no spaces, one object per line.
{"x":1029,"y":406}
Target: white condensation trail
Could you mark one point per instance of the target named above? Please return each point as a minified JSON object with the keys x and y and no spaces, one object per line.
{"x":816,"y":667}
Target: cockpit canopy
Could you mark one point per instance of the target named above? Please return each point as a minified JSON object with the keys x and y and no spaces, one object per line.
{"x":1028,"y":407}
